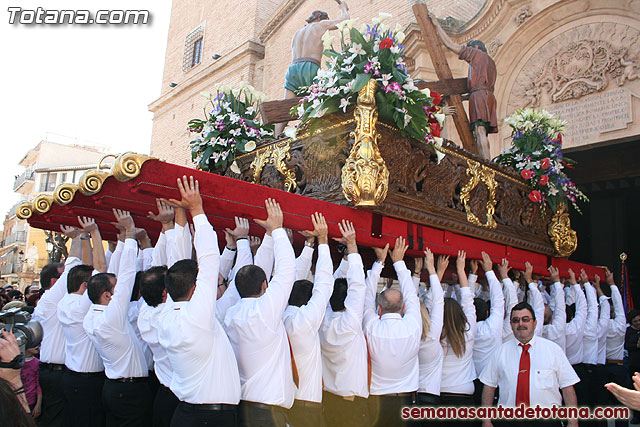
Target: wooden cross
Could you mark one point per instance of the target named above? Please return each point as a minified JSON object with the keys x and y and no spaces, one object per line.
{"x":278,"y":111}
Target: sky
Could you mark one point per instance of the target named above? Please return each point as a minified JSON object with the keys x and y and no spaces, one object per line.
{"x":83,"y":84}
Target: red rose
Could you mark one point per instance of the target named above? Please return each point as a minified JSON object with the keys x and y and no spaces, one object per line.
{"x":545,"y":163}
{"x":526,"y":174}
{"x":544,"y":179}
{"x":535,"y":196}
{"x":386,"y":43}
{"x":559,"y":140}
{"x":437,"y":98}
{"x":435,"y":129}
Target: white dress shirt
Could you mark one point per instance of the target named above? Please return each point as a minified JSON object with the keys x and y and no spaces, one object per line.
{"x":590,"y":338}
{"x":510,"y":301}
{"x":617,"y":328}
{"x":52,"y":347}
{"x":258,"y":335}
{"x":394,"y":339}
{"x":489,"y":331}
{"x":344,"y":350}
{"x":575,"y":328}
{"x":556,"y":330}
{"x":132,"y":314}
{"x":114,"y":262}
{"x":148,"y":326}
{"x":109,"y":328}
{"x":550,"y":371}
{"x":458,"y":373}
{"x":302,"y":325}
{"x":264,"y":255}
{"x":603,"y":328}
{"x":537,"y":303}
{"x":159,"y":253}
{"x":303,"y":263}
{"x":430,"y":353}
{"x":231,"y":295}
{"x":80,"y":353}
{"x":204,"y":366}
{"x":182,"y":245}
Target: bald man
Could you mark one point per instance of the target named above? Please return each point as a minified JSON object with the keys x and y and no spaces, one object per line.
{"x":393,"y":336}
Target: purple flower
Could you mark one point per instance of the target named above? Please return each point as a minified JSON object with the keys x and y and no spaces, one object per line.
{"x":368,"y":67}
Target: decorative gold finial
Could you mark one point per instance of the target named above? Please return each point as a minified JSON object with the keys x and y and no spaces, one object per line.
{"x":564,"y":239}
{"x":365,"y":177}
{"x":623,"y":257}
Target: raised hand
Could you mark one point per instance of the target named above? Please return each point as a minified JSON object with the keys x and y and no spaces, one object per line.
{"x":254,"y":243}
{"x":418,"y":263}
{"x":528,"y":272}
{"x":275,"y":217}
{"x":460,"y":262}
{"x":609,"y":276}
{"x":583,"y":276}
{"x":241,"y":231}
{"x":473,"y":266}
{"x":9,"y":349}
{"x":70,"y":232}
{"x":381,"y":253}
{"x":555,"y":274}
{"x":572,"y":277}
{"x":88,"y":224}
{"x":596,"y":280}
{"x":190,"y":196}
{"x":124,"y":221}
{"x":503,"y":269}
{"x":398,"y":251}
{"x":443,"y":263}
{"x":143,"y":238}
{"x":348,"y":236}
{"x":320,"y":229}
{"x":487,"y":264}
{"x":430,"y":261}
{"x":165,"y":212}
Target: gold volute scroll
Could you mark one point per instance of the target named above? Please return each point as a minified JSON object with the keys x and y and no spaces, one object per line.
{"x":91,"y":182}
{"x":42,"y":203}
{"x":365,"y":177}
{"x":64,"y":193}
{"x":278,"y":155}
{"x":479,"y":173}
{"x":25,"y":210}
{"x":564,"y":239}
{"x":128,"y":166}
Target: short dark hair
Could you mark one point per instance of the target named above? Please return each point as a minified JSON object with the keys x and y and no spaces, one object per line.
{"x":523,"y":306}
{"x":135,"y":291}
{"x":570,"y":312}
{"x":180,"y":278}
{"x":634,"y":312}
{"x":339,"y":294}
{"x":99,"y":284}
{"x":317,"y":15}
{"x":77,"y":276}
{"x":49,"y":271}
{"x":249,"y":280}
{"x":301,"y":292}
{"x":152,"y":285}
{"x":14,"y":293}
{"x":477,"y":44}
{"x":482,"y":309}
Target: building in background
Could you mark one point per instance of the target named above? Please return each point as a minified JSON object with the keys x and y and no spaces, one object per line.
{"x":25,"y":250}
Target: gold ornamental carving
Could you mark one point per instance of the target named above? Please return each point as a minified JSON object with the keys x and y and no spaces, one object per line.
{"x":91,"y":182}
{"x":480,"y":173}
{"x":365,"y":177}
{"x":564,"y":239}
{"x":128,"y":166}
{"x":64,"y":194}
{"x":278,"y":155}
{"x":25,"y":210}
{"x":42,"y":203}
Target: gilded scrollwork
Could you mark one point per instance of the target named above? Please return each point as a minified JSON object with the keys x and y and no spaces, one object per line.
{"x":278,"y":155}
{"x":42,"y":203}
{"x":365,"y":177}
{"x":479,"y":173}
{"x":564,"y":239}
{"x":25,"y":210}
{"x":128,"y":166}
{"x":91,"y":182}
{"x":64,"y":193}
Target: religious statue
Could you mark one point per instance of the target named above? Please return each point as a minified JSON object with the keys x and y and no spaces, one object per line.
{"x":480,"y":82}
{"x":306,"y":52}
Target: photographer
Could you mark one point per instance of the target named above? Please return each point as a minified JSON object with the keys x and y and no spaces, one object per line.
{"x":13,"y":402}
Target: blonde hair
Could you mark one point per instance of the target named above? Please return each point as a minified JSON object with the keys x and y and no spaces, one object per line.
{"x":426,"y":321}
{"x":454,"y":327}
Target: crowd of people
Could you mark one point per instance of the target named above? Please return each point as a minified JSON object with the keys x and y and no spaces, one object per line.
{"x":179,"y":334}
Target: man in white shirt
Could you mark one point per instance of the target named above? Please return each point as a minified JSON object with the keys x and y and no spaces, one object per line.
{"x":53,"y":280}
{"x":126,"y":393}
{"x":302,"y":319}
{"x":343,"y":346}
{"x":257,"y":332}
{"x":205,"y":372}
{"x":575,"y":329}
{"x":529,"y":370}
{"x":393,"y":338}
{"x":555,"y":323}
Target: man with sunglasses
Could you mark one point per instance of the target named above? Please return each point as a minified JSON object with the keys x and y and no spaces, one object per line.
{"x":529,"y":370}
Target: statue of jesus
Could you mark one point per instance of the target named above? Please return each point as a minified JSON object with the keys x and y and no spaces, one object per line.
{"x":306,"y":52}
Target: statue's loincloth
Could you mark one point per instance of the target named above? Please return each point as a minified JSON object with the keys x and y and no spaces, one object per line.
{"x":301,"y":73}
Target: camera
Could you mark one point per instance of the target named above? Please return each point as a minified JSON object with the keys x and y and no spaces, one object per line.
{"x":28,"y":332}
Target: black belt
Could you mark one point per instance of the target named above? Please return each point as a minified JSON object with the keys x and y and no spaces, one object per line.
{"x":208,"y":406}
{"x":262,"y":405}
{"x":428,"y":398}
{"x":307,"y":404}
{"x":130,"y":380}
{"x":406,"y":394}
{"x":52,"y":366}
{"x":86,"y":374}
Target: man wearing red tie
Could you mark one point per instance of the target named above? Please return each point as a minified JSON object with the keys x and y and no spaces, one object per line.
{"x":529,"y":370}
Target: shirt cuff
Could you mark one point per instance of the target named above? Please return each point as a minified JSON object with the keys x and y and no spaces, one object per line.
{"x":245,"y":243}
{"x":354,"y":258}
{"x":200,"y":220}
{"x":131,"y":244}
{"x":399,"y":265}
{"x":279,"y":233}
{"x":490,"y":273}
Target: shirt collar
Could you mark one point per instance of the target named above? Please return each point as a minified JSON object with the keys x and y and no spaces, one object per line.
{"x":391,"y":316}
{"x":532,"y":341}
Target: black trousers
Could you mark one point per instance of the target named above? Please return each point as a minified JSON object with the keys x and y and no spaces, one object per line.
{"x":582,"y":391}
{"x":616,"y":373}
{"x":306,"y":414}
{"x":253,"y":414}
{"x":187,"y":415}
{"x":50,"y":376}
{"x":386,"y":410}
{"x":458,"y":400}
{"x":594,"y":383}
{"x":164,"y":405}
{"x":339,"y":412}
{"x":127,"y":404}
{"x":83,"y":399}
